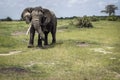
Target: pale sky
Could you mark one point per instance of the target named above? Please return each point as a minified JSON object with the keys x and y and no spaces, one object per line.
{"x":62,"y":8}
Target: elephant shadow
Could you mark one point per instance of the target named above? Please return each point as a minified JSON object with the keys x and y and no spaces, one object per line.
{"x":50,"y":45}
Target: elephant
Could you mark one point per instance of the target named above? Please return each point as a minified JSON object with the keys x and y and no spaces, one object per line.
{"x":43,"y":21}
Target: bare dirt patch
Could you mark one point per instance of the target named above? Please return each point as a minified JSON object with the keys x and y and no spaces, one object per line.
{"x":17,"y":33}
{"x":10,"y":53}
{"x":109,"y":47}
{"x":101,"y":50}
{"x":118,"y":76}
{"x":31,"y":63}
{"x":13,"y":69}
{"x":60,"y":30}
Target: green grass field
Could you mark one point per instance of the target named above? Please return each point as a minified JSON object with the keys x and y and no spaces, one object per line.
{"x":79,"y":54}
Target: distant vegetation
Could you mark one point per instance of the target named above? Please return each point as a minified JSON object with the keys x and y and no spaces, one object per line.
{"x":6,"y":19}
{"x":91,"y":18}
{"x":96,"y":18}
{"x":86,"y":21}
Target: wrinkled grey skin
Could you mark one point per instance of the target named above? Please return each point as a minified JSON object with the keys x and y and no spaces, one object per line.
{"x":43,"y":21}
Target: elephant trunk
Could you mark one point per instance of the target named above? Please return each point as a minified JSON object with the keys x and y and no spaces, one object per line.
{"x":40,"y":32}
{"x":37,"y":25}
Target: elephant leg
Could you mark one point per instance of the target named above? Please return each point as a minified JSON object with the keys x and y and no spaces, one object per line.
{"x":31,"y":40}
{"x":39,"y":41}
{"x":46,"y":38}
{"x":53,"y":37}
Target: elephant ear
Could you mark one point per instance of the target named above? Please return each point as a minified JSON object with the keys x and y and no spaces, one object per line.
{"x":26,"y":11}
{"x":46,"y":16}
{"x":43,"y":19}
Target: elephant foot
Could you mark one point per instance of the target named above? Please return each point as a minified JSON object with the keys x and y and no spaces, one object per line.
{"x":53,"y":43}
{"x":39,"y":46}
{"x":46,"y":44}
{"x":30,"y":46}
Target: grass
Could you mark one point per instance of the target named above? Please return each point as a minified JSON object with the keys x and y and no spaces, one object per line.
{"x":79,"y":54}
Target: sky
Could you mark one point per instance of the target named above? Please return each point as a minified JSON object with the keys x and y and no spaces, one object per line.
{"x":62,"y":8}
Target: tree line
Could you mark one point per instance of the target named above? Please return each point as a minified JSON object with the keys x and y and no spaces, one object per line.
{"x":6,"y":19}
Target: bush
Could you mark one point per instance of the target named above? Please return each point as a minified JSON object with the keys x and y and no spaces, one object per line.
{"x":6,"y":19}
{"x":94,"y":18}
{"x":84,"y":23}
{"x":112,"y":18}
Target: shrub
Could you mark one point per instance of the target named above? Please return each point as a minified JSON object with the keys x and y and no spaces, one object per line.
{"x":84,"y":23}
{"x":102,"y":17}
{"x":6,"y":19}
{"x":94,"y":18}
{"x":112,"y":18}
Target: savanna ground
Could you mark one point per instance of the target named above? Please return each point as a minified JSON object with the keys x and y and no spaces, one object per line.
{"x":79,"y":54}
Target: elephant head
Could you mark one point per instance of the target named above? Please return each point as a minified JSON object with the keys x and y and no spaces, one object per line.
{"x":26,"y":14}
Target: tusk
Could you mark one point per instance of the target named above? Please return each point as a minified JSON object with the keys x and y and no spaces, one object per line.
{"x":28,"y":29}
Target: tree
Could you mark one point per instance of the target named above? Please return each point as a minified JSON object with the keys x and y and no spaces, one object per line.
{"x":110,"y":9}
{"x":8,"y":19}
